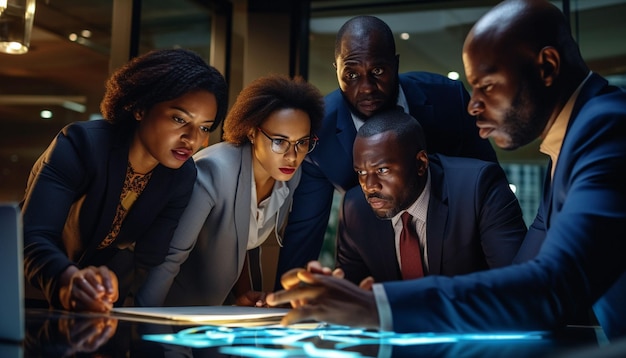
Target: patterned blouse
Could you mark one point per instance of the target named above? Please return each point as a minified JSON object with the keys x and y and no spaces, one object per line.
{"x":134,"y":184}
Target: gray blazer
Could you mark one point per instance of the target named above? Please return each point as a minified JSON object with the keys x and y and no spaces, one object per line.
{"x":209,"y":244}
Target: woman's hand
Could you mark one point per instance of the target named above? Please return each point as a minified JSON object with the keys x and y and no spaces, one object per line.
{"x":252,"y":298}
{"x":90,"y":289}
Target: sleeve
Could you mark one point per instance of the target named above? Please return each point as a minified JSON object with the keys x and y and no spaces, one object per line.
{"x":534,"y":239}
{"x":348,"y":258}
{"x":151,"y":248}
{"x":537,"y":230}
{"x":384,"y":310}
{"x":159,"y":278}
{"x":307,"y":222}
{"x":55,"y":183}
{"x":501,"y":222}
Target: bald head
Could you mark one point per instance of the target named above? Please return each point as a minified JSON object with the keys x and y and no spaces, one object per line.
{"x":524,"y":27}
{"x":408,"y":132}
{"x":364,"y":27}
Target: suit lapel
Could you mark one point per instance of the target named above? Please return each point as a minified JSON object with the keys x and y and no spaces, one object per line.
{"x":547,"y":195}
{"x":148,"y":201}
{"x":591,"y":88}
{"x":416,"y":100}
{"x":375,"y":239}
{"x":386,"y":250}
{"x":437,"y":217}
{"x":243,"y":201}
{"x":346,"y":132}
{"x":110,"y":197}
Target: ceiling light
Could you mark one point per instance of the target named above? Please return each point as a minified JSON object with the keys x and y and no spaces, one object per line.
{"x":45,"y":114}
{"x":16,"y":25}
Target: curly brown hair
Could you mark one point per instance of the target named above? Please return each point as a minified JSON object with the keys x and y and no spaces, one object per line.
{"x":265,"y":95}
{"x":159,"y":76}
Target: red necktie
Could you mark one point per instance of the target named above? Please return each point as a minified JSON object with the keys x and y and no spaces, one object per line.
{"x":410,"y":254}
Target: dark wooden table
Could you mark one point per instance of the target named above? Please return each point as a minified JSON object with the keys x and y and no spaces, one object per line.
{"x":63,"y":334}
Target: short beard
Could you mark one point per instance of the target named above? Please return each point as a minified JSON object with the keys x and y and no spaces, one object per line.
{"x":413,"y":193}
{"x":528,"y":115}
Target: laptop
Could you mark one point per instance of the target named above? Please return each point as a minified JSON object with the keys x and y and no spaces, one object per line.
{"x":11,"y":274}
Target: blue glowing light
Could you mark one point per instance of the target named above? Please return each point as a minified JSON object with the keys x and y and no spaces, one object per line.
{"x":338,"y":341}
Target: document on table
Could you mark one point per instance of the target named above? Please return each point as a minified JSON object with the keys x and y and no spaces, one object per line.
{"x":207,"y":314}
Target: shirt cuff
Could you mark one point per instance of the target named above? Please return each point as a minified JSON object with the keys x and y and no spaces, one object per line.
{"x":384,"y":310}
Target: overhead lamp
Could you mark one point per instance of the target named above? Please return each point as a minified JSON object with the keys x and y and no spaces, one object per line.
{"x":16,"y":25}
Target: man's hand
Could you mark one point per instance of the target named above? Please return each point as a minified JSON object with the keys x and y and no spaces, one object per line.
{"x":90,"y":289}
{"x":323,"y":297}
{"x":290,"y":278}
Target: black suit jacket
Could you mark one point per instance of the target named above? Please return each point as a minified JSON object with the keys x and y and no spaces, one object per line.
{"x":80,"y":175}
{"x":474,"y":223}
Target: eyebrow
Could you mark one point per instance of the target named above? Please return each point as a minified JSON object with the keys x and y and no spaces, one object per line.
{"x":308,"y":136}
{"x":191,"y":115}
{"x":182,"y":110}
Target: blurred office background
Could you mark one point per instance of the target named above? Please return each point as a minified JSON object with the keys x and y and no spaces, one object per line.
{"x":75,"y":44}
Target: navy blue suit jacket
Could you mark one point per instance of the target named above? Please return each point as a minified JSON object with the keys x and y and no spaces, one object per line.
{"x":474,"y":223}
{"x":439,"y":104}
{"x":81,"y":175}
{"x":581,"y":260}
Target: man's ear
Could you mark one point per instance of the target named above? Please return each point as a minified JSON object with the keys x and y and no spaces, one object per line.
{"x":422,"y":160}
{"x":549,"y":64}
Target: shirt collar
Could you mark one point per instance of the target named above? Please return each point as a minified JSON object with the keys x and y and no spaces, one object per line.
{"x":551,"y":144}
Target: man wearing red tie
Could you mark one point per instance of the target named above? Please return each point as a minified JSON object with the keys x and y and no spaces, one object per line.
{"x":415,"y":214}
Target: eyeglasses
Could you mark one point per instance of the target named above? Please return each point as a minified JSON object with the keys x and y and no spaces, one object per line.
{"x":282,"y":146}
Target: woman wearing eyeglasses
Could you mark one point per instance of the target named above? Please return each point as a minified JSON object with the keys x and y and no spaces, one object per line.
{"x":241,"y":198}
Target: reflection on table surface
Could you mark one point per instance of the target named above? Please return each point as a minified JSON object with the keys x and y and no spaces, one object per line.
{"x":62,"y":334}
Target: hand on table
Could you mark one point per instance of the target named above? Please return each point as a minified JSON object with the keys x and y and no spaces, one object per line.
{"x":90,"y":289}
{"x":252,"y":298}
{"x":290,"y":279}
{"x":321,"y":294}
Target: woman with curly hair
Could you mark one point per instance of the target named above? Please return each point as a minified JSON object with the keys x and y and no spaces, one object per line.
{"x":103,"y":201}
{"x":242,"y":195}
